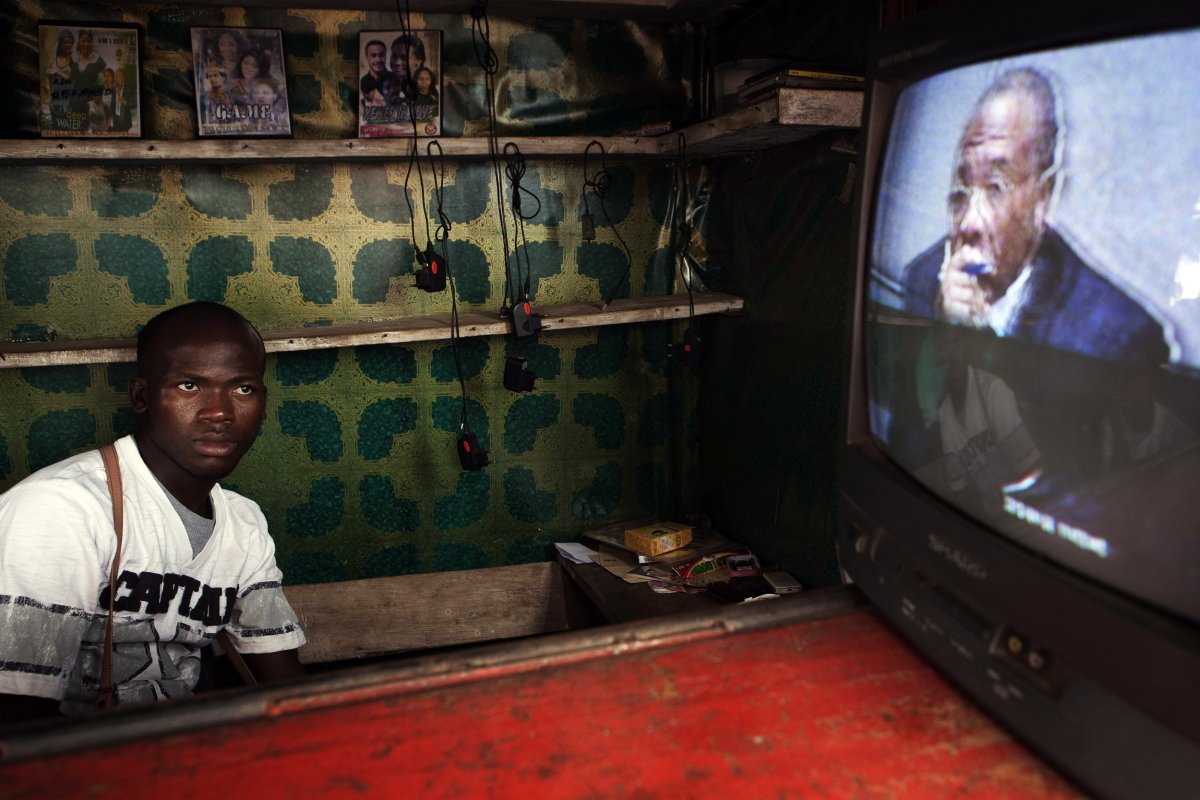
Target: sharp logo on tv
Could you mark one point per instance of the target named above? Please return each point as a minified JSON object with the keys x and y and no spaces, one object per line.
{"x":957,"y":557}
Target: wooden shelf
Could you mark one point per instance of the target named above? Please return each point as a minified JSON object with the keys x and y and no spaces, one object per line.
{"x":791,"y":115}
{"x":406,"y":329}
{"x":694,"y":10}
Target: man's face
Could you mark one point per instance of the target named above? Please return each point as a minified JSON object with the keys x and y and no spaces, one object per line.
{"x":404,"y":60}
{"x":375,"y":57}
{"x":998,"y":203}
{"x":390,"y":89}
{"x":200,"y":401}
{"x":216,"y":79}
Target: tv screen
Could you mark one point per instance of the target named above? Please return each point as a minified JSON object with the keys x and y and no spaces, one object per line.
{"x":1023,"y":377}
{"x":1034,"y":331}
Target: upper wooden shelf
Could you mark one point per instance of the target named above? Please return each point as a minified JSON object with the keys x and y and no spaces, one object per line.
{"x":695,"y":10}
{"x":406,"y":329}
{"x":791,"y":115}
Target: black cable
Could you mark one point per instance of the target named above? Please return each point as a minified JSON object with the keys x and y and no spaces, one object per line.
{"x":490,"y":63}
{"x":408,"y":87}
{"x":684,"y":228}
{"x":600,"y":185}
{"x":515,"y":170}
{"x":442,"y":237}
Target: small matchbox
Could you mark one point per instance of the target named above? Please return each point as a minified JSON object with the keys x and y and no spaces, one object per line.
{"x":661,"y":537}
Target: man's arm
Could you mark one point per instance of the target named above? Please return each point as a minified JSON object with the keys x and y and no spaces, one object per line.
{"x":280,"y":666}
{"x":16,"y":708}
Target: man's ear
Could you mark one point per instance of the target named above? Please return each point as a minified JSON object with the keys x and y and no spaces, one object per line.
{"x":1044,"y":197}
{"x":137,"y":394}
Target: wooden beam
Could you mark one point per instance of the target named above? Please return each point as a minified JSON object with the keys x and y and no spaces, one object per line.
{"x":694,"y":10}
{"x":225,"y":151}
{"x":377,"y":616}
{"x":691,"y":10}
{"x":434,"y":327}
{"x":787,"y":116}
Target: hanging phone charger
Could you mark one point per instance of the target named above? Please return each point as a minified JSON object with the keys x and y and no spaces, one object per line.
{"x":470,"y":454}
{"x":517,"y":377}
{"x":432,"y":275}
{"x":589,"y":227}
{"x":525,"y":322}
{"x":691,"y":349}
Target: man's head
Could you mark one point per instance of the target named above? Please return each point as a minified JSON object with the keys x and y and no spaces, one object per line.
{"x":376,"y":52}
{"x":198,"y":393}
{"x":216,"y":77}
{"x":1004,"y":176}
{"x":408,"y":53}
{"x":389,"y":89}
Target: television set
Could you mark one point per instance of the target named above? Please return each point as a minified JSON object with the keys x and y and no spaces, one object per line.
{"x":1021,"y":461}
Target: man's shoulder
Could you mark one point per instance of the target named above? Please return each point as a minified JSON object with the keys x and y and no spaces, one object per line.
{"x":242,"y":510}
{"x":74,"y":488}
{"x":921,"y":280}
{"x":1090,"y":313}
{"x":81,"y":471}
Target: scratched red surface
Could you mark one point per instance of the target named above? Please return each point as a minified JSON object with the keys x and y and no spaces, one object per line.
{"x":837,"y":708}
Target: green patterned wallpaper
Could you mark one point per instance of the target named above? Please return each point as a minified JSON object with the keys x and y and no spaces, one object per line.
{"x":356,"y":468}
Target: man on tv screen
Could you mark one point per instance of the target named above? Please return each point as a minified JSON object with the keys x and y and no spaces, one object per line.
{"x":1002,"y":265}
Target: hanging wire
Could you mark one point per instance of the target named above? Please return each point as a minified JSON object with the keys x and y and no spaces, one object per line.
{"x":490,"y":63}
{"x":600,"y":185}
{"x":684,"y":227}
{"x":442,"y":237}
{"x":515,"y":170}
{"x":406,"y":33}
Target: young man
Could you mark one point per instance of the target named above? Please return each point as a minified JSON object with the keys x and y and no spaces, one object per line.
{"x":194,"y":559}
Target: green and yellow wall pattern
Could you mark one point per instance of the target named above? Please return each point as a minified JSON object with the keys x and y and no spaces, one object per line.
{"x":355,"y":467}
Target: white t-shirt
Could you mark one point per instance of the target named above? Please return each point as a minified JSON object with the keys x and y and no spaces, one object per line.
{"x":989,"y":445}
{"x":56,"y":544}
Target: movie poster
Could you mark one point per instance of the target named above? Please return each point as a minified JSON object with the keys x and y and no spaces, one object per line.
{"x":89,"y":80}
{"x":400,"y":83}
{"x":241,"y":88}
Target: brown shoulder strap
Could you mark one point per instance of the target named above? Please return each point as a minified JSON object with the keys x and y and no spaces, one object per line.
{"x":112,"y":469}
{"x":239,"y":663}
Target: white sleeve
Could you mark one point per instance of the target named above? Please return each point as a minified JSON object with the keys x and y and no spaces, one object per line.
{"x":51,"y":574}
{"x":263,"y":621}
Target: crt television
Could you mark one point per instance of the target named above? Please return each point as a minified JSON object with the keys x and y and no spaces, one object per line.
{"x":1020,"y":472}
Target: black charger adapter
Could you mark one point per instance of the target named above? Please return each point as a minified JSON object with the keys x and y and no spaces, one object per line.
{"x":470,"y":454}
{"x":517,"y":375}
{"x":525,"y":321}
{"x":432,"y":275}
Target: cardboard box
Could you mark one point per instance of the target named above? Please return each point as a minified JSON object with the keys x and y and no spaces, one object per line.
{"x":661,"y":537}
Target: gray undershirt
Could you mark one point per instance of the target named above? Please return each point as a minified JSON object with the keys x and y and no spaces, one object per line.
{"x":199,"y":529}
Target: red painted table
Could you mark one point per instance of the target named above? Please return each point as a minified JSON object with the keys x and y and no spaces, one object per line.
{"x":800,"y":697}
